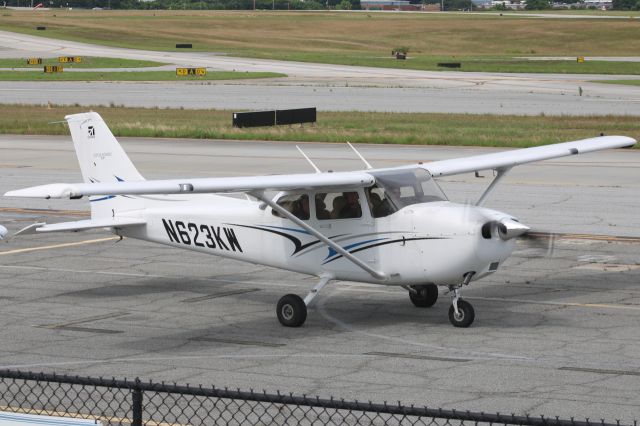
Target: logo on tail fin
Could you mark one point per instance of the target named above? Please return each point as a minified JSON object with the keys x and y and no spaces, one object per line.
{"x":92,"y":132}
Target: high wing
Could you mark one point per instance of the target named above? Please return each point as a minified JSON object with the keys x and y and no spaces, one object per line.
{"x":335,"y":181}
{"x":341,"y":180}
{"x":508,"y":159}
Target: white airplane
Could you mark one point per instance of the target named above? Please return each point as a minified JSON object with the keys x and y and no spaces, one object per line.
{"x":3,"y":232}
{"x":392,"y":226}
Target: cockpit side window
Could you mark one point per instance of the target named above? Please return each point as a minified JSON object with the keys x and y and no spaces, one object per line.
{"x":297,"y":204}
{"x":338,"y":205}
{"x":380,"y":202}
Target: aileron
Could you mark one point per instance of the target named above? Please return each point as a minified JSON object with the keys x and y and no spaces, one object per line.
{"x":508,"y":159}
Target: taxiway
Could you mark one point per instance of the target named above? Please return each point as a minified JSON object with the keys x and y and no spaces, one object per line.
{"x":326,"y":86}
{"x":555,"y":333}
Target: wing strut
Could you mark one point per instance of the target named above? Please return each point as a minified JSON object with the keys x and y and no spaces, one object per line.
{"x":500,"y":174}
{"x":366,"y":163}
{"x":286,"y":213}
{"x":308,"y":159}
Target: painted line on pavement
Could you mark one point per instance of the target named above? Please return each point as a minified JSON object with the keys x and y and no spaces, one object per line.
{"x":78,"y":243}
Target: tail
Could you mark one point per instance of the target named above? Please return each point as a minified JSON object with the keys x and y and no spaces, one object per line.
{"x":102,"y":159}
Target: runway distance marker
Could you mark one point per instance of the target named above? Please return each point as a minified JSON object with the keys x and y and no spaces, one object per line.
{"x":48,"y":69}
{"x":183,"y":72}
{"x":69,"y":59}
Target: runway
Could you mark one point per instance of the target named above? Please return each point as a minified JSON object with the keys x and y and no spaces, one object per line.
{"x":326,"y":86}
{"x":554,"y":335}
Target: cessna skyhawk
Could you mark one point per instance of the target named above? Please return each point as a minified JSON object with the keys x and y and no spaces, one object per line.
{"x":391,"y":226}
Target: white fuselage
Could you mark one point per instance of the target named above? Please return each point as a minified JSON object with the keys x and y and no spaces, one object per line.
{"x":436,"y":242}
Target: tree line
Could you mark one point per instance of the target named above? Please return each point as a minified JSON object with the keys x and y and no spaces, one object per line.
{"x":275,"y":4}
{"x":193,"y":4}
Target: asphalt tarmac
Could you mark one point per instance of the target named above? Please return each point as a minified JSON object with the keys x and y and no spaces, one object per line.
{"x":556,"y":332}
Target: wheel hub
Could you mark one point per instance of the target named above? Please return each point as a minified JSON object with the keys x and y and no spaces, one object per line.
{"x":459,"y":316}
{"x":287,"y":312}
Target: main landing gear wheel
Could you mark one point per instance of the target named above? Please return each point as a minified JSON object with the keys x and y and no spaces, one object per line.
{"x":465,"y":315}
{"x":424,"y":296}
{"x":291,"y":310}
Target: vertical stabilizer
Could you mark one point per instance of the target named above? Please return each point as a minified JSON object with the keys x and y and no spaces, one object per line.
{"x":102,"y":159}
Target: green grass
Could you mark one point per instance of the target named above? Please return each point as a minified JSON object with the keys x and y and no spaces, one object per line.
{"x":470,"y":64}
{"x":87,"y":62}
{"x":626,"y":82}
{"x":129,"y":76}
{"x":482,"y":42}
{"x":361,"y":127}
{"x":585,"y":12}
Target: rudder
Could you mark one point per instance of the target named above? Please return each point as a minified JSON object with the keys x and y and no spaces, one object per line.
{"x":102,"y":159}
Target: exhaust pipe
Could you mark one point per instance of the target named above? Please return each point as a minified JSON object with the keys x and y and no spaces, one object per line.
{"x":509,"y":228}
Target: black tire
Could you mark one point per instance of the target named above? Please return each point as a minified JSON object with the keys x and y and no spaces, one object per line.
{"x":425,"y":297}
{"x":292,"y":312}
{"x":466,"y":314}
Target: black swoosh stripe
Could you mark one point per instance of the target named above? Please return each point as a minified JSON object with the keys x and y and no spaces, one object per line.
{"x":312,"y":243}
{"x":382,"y":243}
{"x":296,"y":242}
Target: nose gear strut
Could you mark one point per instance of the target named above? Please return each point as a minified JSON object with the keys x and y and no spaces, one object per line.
{"x":461,"y":313}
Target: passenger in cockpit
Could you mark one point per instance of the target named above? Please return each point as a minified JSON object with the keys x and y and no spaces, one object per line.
{"x":352,"y":207}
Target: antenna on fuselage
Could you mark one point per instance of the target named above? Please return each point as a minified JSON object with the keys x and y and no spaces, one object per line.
{"x":309,"y":160}
{"x":366,"y":163}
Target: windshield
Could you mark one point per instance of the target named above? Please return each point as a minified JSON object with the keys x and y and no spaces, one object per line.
{"x":396,"y":189}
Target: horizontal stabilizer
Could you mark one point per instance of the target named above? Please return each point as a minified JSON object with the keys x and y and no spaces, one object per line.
{"x":82,"y":225}
{"x":31,"y":229}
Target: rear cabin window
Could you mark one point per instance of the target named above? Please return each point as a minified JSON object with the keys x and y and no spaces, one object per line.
{"x":298,"y":205}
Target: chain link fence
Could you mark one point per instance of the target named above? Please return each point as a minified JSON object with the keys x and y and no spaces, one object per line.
{"x":137,"y":403}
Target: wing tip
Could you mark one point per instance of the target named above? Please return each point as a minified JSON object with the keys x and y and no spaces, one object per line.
{"x":54,"y":190}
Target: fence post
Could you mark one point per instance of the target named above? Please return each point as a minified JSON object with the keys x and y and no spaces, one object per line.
{"x":136,"y":404}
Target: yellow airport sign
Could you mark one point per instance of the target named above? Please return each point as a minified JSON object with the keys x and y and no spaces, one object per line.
{"x":69,"y":59}
{"x":52,"y":68}
{"x":580,"y":59}
{"x":34,"y":61}
{"x":183,"y":72}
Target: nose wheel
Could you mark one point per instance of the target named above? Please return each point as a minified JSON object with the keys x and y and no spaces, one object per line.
{"x":461,"y":313}
{"x":464,"y":315}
